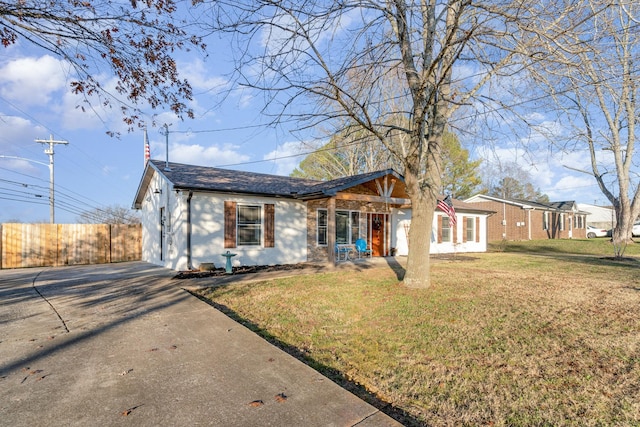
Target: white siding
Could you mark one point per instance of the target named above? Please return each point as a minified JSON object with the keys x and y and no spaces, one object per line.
{"x":401,"y":222}
{"x":207,"y":241}
{"x":174,"y":250}
{"x":207,"y":229}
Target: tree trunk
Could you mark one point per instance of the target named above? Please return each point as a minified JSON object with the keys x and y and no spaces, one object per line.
{"x":418,"y":262}
{"x":621,"y":233}
{"x":423,"y":206}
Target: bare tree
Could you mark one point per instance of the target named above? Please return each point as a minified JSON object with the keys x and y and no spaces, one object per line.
{"x":114,"y":214}
{"x":509,"y":180}
{"x":357,"y":152}
{"x":591,"y":72}
{"x":133,"y":39}
{"x":351,"y":152}
{"x":322,"y":61}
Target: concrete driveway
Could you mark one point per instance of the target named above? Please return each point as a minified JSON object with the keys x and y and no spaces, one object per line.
{"x":122,"y":344}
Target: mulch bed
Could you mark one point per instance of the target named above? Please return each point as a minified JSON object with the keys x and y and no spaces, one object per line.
{"x":249,"y":269}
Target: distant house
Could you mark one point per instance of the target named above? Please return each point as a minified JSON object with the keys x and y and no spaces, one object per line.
{"x":194,"y":214}
{"x":599,"y":216}
{"x":528,"y":220}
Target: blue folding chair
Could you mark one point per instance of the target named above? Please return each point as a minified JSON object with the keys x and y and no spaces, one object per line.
{"x":361,"y":248}
{"x":342,"y":252}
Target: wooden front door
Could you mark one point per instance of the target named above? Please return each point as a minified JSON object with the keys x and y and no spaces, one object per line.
{"x":377,"y":227}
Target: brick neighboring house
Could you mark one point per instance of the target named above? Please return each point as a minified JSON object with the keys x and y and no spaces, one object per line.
{"x":528,"y":220}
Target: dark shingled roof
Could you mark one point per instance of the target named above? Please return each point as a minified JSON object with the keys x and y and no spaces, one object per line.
{"x":564,"y":206}
{"x":461,"y":206}
{"x":190,"y":177}
{"x":204,"y":178}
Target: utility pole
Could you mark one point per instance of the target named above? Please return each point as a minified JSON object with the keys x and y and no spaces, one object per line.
{"x":166,"y":134}
{"x":49,"y":151}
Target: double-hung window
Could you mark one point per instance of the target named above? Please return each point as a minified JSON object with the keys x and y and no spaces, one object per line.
{"x":471,"y":229}
{"x":249,"y":225}
{"x":446,"y":229}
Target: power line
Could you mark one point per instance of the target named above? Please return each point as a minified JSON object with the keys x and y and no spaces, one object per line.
{"x":81,"y":209}
{"x":189,"y":131}
{"x":63,"y":193}
{"x":25,"y":201}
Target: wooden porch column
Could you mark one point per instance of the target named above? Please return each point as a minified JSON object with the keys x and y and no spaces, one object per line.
{"x":331,"y":229}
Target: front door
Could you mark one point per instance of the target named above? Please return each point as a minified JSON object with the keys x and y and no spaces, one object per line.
{"x":377,"y":227}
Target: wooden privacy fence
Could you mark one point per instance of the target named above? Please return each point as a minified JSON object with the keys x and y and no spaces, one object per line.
{"x":47,"y":245}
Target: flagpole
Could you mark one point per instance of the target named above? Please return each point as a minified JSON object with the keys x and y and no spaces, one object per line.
{"x":147,"y":149}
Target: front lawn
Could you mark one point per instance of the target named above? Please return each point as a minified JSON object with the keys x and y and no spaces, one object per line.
{"x":503,"y":338}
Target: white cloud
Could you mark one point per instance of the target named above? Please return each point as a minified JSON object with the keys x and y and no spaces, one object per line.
{"x":21,"y":166}
{"x":76,"y":113}
{"x":246,"y":100}
{"x":80,"y":112}
{"x":200,"y":78}
{"x":17,"y":137}
{"x":196,"y":154}
{"x":554,"y":174}
{"x":578,"y":187}
{"x":535,"y":117}
{"x":17,"y":132}
{"x":286,"y":157}
{"x":32,"y":81}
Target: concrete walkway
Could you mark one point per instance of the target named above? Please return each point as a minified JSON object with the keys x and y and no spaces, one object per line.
{"x":122,"y":344}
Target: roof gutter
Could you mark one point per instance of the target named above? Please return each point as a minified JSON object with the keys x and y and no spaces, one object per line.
{"x":235,"y":192}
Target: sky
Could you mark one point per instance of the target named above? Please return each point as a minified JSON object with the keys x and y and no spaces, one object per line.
{"x":95,"y":170}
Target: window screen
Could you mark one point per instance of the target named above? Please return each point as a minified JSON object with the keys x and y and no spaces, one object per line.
{"x":249,"y":225}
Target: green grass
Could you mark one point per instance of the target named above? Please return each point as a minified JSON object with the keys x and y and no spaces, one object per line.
{"x":510,"y":338}
{"x":601,"y":246}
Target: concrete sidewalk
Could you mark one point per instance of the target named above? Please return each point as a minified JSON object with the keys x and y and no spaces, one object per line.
{"x":122,"y":344}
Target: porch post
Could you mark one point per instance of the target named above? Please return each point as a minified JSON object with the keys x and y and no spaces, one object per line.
{"x":331,"y":229}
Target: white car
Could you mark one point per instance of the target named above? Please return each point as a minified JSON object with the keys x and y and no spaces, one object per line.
{"x":635,"y":231}
{"x":598,"y":232}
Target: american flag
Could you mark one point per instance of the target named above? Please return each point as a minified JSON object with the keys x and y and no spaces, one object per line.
{"x":446,"y":206}
{"x":147,"y":149}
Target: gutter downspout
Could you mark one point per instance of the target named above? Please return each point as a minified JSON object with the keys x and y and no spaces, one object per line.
{"x":504,"y":220}
{"x":189,"y":266}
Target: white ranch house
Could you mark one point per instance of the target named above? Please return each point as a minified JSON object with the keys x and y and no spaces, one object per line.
{"x":194,"y":214}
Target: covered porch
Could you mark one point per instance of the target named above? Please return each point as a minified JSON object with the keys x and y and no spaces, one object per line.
{"x":358,"y":212}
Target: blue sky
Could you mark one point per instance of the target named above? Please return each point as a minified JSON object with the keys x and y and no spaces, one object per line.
{"x":96,"y":170}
